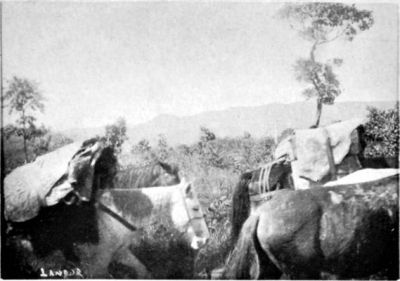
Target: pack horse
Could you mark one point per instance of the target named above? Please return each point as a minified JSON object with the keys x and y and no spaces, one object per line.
{"x":103,"y":227}
{"x":314,"y":212}
{"x":340,"y":231}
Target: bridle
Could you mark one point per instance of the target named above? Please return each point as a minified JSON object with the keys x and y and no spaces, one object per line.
{"x":190,"y":218}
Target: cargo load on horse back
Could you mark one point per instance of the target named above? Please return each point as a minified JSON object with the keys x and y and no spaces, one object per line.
{"x":310,"y":157}
{"x":322,"y":154}
{"x":306,"y":159}
{"x":65,"y":174}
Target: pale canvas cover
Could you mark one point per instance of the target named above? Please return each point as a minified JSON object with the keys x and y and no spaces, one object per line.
{"x":308,"y":148}
{"x":365,"y":175}
{"x":26,"y":188}
{"x":311,"y":148}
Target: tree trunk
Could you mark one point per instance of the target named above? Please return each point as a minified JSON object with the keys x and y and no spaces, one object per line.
{"x":312,"y":52}
{"x":318,"y":113}
{"x":24,"y":136}
{"x":316,"y":85}
{"x":25,"y":150}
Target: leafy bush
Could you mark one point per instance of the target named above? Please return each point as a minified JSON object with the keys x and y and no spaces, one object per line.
{"x":115,"y":134}
{"x":382,"y":132}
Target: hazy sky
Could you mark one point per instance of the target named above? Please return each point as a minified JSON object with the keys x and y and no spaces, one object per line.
{"x":95,"y":61}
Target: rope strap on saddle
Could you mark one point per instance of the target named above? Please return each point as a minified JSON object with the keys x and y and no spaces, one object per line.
{"x":264,"y":177}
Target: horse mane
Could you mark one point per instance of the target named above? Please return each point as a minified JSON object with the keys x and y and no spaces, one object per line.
{"x":170,"y":168}
{"x":139,"y":176}
{"x":240,"y":205}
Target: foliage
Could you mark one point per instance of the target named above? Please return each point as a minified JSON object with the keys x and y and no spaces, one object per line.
{"x":206,"y":135}
{"x":321,"y":23}
{"x":22,"y":95}
{"x":325,"y":22}
{"x":146,"y":154}
{"x":213,"y":164}
{"x":382,"y":132}
{"x":14,"y":155}
{"x":161,"y":249}
{"x":58,"y":140}
{"x":116,"y":134}
{"x":323,"y":81}
{"x":142,"y":146}
{"x":162,"y":148}
{"x":24,"y":99}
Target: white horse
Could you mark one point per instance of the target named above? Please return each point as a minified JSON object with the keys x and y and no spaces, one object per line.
{"x":104,"y":233}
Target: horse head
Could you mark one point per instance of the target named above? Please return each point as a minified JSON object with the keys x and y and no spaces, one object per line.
{"x":164,"y":174}
{"x":188,"y":216}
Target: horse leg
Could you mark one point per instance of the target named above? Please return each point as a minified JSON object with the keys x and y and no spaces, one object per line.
{"x":94,"y":260}
{"x":125,"y":265}
{"x":294,"y":247}
{"x":266,"y":268}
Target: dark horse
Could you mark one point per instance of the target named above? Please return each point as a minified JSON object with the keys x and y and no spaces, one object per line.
{"x":272,"y":176}
{"x":344,"y":231}
{"x":157,"y":173}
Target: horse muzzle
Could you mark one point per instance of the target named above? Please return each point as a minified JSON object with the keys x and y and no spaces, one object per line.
{"x":198,"y":242}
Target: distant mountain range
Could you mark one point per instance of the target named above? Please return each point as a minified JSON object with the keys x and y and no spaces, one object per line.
{"x":264,"y":120}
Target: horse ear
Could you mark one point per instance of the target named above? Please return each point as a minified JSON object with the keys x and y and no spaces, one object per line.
{"x":175,"y":170}
{"x":165,"y":166}
{"x":189,"y":190}
{"x":246,"y":175}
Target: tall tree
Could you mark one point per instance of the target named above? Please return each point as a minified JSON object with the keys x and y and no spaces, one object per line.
{"x":24,"y":99}
{"x":321,"y":23}
{"x":116,"y":134}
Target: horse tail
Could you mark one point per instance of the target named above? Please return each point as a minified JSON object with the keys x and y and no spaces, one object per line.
{"x":240,"y":205}
{"x":244,"y":255}
{"x":265,"y":268}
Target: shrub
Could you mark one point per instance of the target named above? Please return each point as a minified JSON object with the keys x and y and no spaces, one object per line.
{"x":382,"y":132}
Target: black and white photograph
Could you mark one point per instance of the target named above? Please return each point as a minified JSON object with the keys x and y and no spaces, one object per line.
{"x":207,"y":139}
